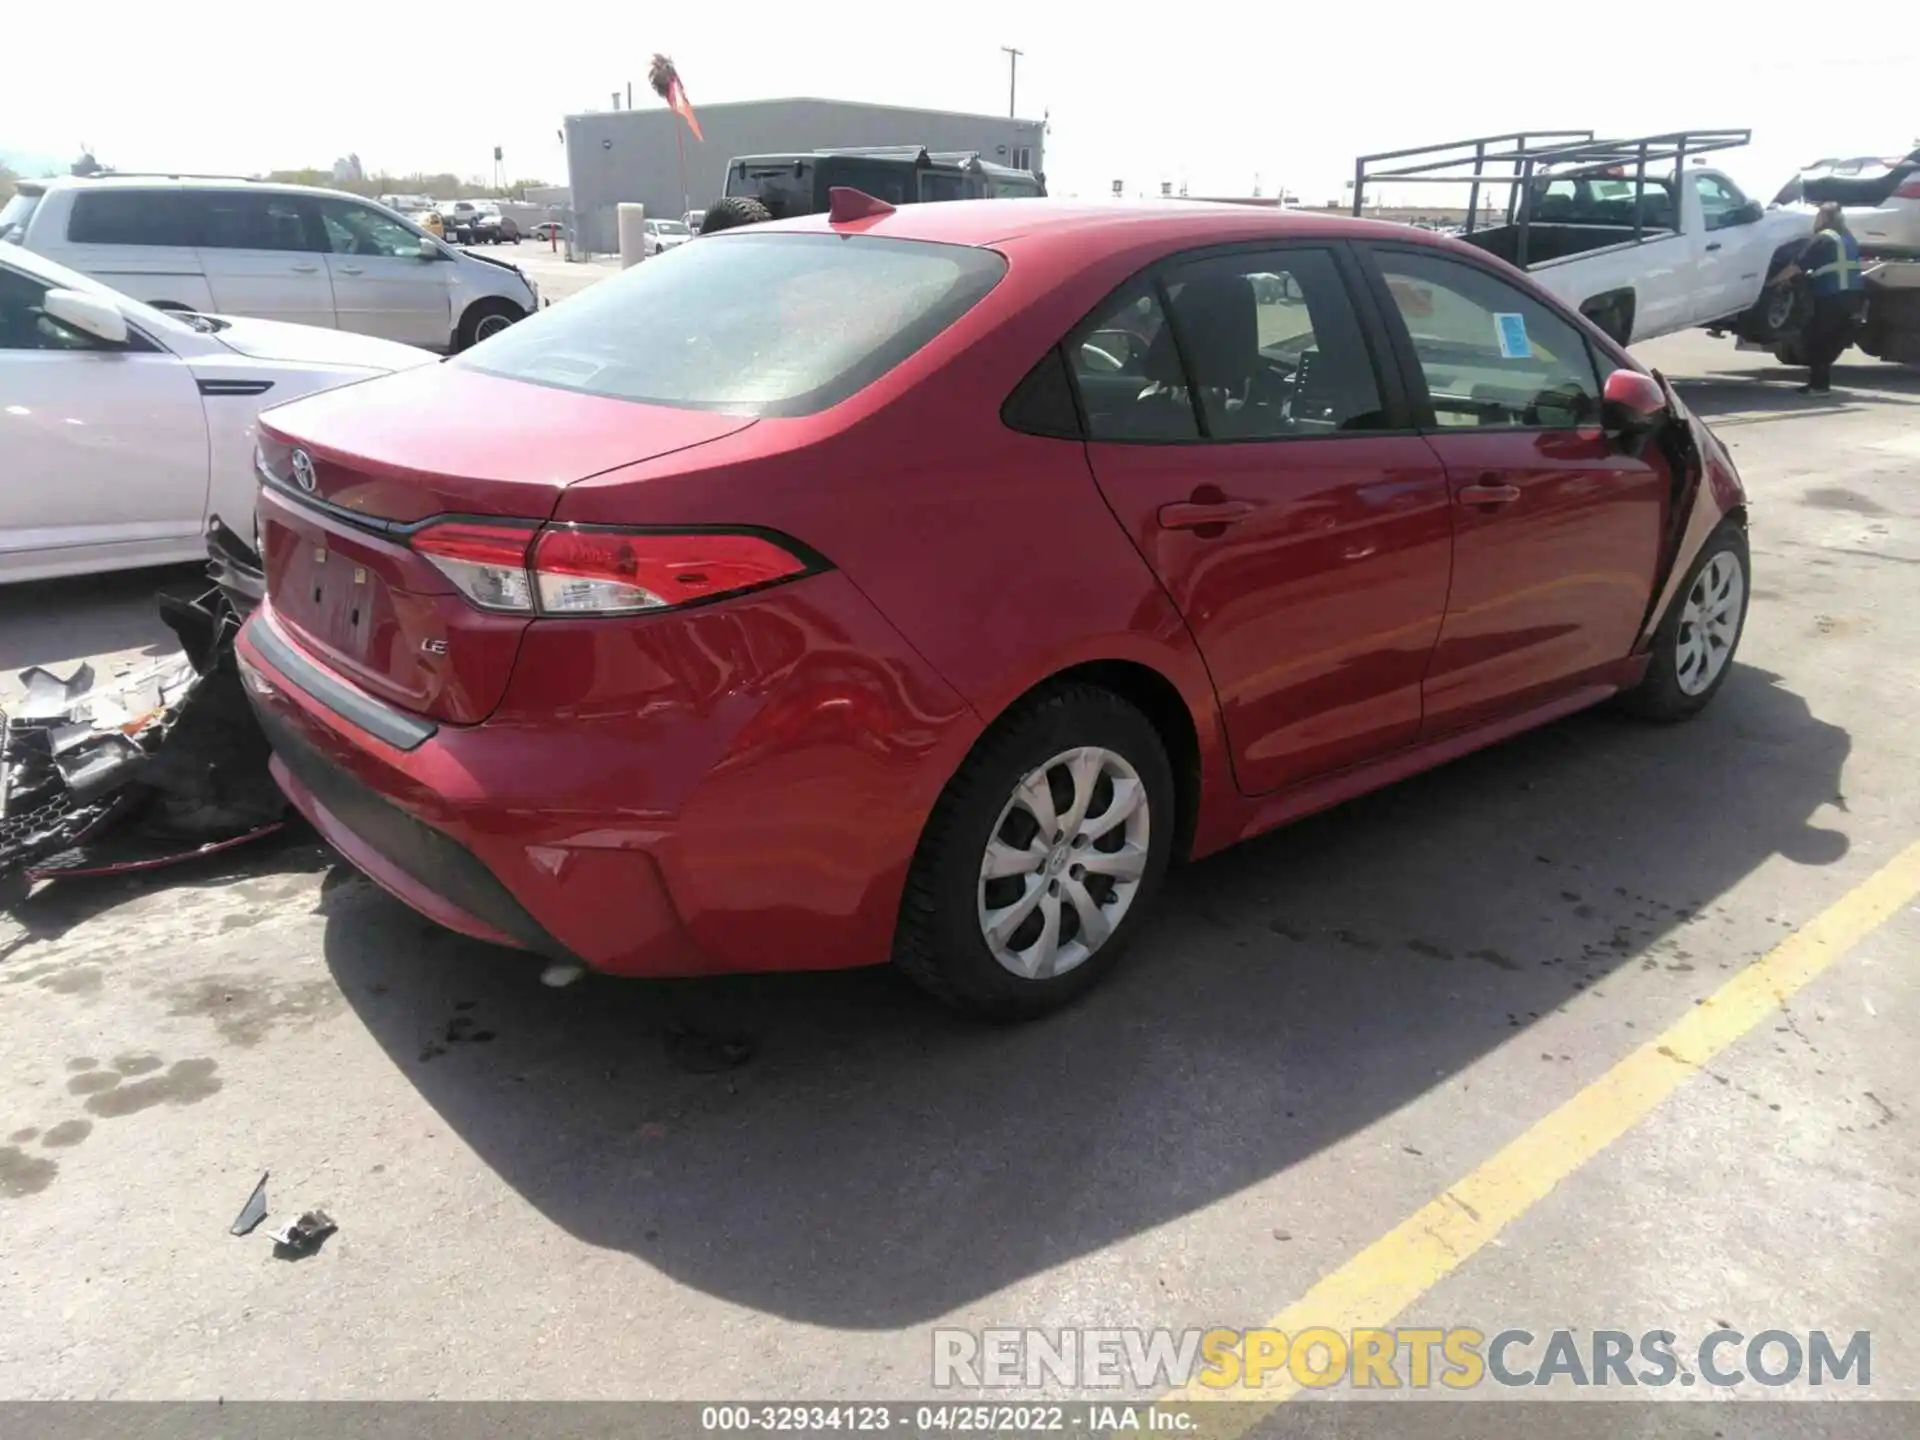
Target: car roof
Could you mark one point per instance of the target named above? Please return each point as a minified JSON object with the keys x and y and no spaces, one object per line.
{"x":1195,"y":222}
{"x":189,"y":182}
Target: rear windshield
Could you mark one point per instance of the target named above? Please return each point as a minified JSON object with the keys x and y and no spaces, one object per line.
{"x":749,"y":324}
{"x":1601,"y":200}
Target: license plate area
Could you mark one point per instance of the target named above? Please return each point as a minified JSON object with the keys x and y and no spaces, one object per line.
{"x":382,"y":617}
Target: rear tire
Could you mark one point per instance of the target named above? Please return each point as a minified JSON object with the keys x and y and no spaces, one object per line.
{"x":1693,"y":649}
{"x":1090,"y":763}
{"x":1614,"y":317}
{"x":487,"y":317}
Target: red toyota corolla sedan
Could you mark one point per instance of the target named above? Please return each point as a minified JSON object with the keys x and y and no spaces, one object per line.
{"x":916,"y":586}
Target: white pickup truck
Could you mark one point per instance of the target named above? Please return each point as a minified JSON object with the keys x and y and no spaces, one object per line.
{"x":1625,"y":231}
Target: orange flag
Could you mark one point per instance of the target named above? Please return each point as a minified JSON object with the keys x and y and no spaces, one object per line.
{"x":666,"y":84}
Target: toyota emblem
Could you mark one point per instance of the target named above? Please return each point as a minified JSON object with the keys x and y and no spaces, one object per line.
{"x":303,"y":471}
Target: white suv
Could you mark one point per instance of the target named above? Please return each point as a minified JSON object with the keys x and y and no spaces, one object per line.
{"x":278,"y":252}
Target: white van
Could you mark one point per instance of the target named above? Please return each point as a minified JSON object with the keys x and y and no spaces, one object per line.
{"x":278,"y":252}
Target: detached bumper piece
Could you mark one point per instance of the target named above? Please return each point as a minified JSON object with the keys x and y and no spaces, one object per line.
{"x":160,"y":765}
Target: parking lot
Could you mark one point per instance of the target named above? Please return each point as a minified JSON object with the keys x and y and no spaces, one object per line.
{"x":779,"y":1186}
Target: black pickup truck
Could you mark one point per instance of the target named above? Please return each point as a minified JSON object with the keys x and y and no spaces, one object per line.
{"x":797,"y":183}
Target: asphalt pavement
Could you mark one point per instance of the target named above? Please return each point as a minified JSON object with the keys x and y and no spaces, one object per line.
{"x":1442,"y":997}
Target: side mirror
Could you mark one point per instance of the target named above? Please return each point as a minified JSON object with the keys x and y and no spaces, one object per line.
{"x":87,"y":313}
{"x":1632,"y":403}
{"x":428,"y":250}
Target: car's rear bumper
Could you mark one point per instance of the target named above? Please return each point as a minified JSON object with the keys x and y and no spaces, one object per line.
{"x":404,"y":801}
{"x":721,"y":821}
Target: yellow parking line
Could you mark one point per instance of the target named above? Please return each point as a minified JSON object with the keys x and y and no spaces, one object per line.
{"x":1410,"y":1259}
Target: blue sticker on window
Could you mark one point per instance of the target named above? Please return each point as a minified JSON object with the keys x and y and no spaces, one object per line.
{"x":1511,"y":331}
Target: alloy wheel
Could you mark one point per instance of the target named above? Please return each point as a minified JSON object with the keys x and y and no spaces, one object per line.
{"x":1780,"y":305}
{"x":1709,"y":623}
{"x":1064,"y":862}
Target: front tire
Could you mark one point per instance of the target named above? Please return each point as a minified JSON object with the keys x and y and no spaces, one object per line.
{"x":487,"y":317}
{"x":1040,"y":858}
{"x":1693,"y":649}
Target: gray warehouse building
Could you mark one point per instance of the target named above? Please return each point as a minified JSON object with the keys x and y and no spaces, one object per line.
{"x":629,"y":155}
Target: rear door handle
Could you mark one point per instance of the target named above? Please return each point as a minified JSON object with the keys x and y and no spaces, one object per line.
{"x":1714,"y":246}
{"x":1189,"y":515}
{"x":1488,"y":494}
{"x":351,"y":270}
{"x":306,"y":269}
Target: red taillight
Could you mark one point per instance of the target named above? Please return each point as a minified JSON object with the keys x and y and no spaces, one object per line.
{"x":609,"y":572}
{"x":599,"y":572}
{"x":487,"y":562}
{"x":1910,"y":190}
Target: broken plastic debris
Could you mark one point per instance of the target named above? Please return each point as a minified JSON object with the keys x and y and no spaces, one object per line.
{"x":302,"y":1237}
{"x":253,"y":1212}
{"x":48,"y":696}
{"x":559,"y":974}
{"x":94,"y":767}
{"x":163,"y":762}
{"x":62,"y":738}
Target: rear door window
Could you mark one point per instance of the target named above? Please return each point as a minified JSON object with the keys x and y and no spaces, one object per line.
{"x":1273,"y":346}
{"x":118,"y":216}
{"x":943,"y":185}
{"x":750,"y":324}
{"x":895,"y":183}
{"x":1129,"y":373}
{"x":254,"y":220}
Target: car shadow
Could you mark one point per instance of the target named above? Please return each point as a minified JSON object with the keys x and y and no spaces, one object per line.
{"x":1749,"y":395}
{"x":55,"y":622}
{"x":835,"y":1150}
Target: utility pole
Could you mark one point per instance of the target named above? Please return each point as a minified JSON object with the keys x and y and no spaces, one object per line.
{"x":1013,"y":76}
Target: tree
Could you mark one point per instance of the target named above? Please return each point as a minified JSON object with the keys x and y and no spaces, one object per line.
{"x":7,"y":177}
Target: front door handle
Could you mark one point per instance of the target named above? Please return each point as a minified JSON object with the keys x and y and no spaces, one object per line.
{"x":305,"y":269}
{"x":351,"y":270}
{"x":1714,"y":246}
{"x":1488,"y":494}
{"x":1193,"y":515}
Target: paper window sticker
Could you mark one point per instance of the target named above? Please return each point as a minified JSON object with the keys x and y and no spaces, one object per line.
{"x":1511,"y":331}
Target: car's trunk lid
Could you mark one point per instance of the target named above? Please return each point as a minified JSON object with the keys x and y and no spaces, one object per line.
{"x":352,"y":482}
{"x":449,"y":440}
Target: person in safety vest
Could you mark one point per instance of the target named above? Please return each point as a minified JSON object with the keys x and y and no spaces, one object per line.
{"x":1831,"y":263}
